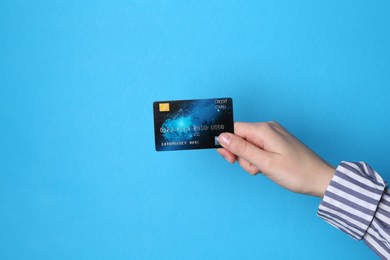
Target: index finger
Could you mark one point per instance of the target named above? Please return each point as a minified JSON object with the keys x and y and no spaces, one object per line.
{"x":244,"y":149}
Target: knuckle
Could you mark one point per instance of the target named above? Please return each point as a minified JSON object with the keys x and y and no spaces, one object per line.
{"x":268,"y":163}
{"x":265,"y":125}
{"x":253,"y":171}
{"x":277,"y":127}
{"x":269,"y":127}
{"x":240,"y":146}
{"x":274,"y":123}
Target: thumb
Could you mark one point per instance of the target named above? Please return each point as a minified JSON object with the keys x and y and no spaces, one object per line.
{"x":244,"y":149}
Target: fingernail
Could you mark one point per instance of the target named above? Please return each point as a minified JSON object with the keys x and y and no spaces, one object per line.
{"x":224,"y":139}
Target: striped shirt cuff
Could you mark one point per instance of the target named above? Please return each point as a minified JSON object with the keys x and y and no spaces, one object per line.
{"x":352,"y":198}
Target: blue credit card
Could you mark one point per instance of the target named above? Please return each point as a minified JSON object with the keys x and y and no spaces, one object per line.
{"x":191,"y":124}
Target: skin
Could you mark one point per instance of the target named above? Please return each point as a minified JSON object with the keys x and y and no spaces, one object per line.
{"x":270,"y":149}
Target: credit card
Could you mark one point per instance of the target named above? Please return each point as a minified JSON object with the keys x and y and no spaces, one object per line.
{"x":191,"y":124}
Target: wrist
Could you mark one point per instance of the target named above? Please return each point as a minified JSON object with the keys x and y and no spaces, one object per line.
{"x":323,"y":178}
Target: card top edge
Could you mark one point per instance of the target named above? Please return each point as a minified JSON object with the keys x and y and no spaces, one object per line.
{"x":182,"y":100}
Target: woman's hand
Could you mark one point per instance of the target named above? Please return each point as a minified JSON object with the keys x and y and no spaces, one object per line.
{"x":270,"y":149}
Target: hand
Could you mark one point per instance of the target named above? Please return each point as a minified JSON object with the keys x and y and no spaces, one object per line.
{"x":272,"y":150}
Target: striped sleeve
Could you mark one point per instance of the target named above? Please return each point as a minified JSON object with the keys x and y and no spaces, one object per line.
{"x":358,"y":203}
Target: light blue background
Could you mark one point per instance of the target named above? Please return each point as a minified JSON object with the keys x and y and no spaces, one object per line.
{"x":79,"y":176}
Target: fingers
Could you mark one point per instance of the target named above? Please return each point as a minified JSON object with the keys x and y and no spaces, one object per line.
{"x":253,"y":145}
{"x":248,"y":166}
{"x":231,"y":158}
{"x":245,"y":150}
{"x":227,"y":155}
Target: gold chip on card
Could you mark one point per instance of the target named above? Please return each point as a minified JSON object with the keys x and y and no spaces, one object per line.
{"x":163,"y":107}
